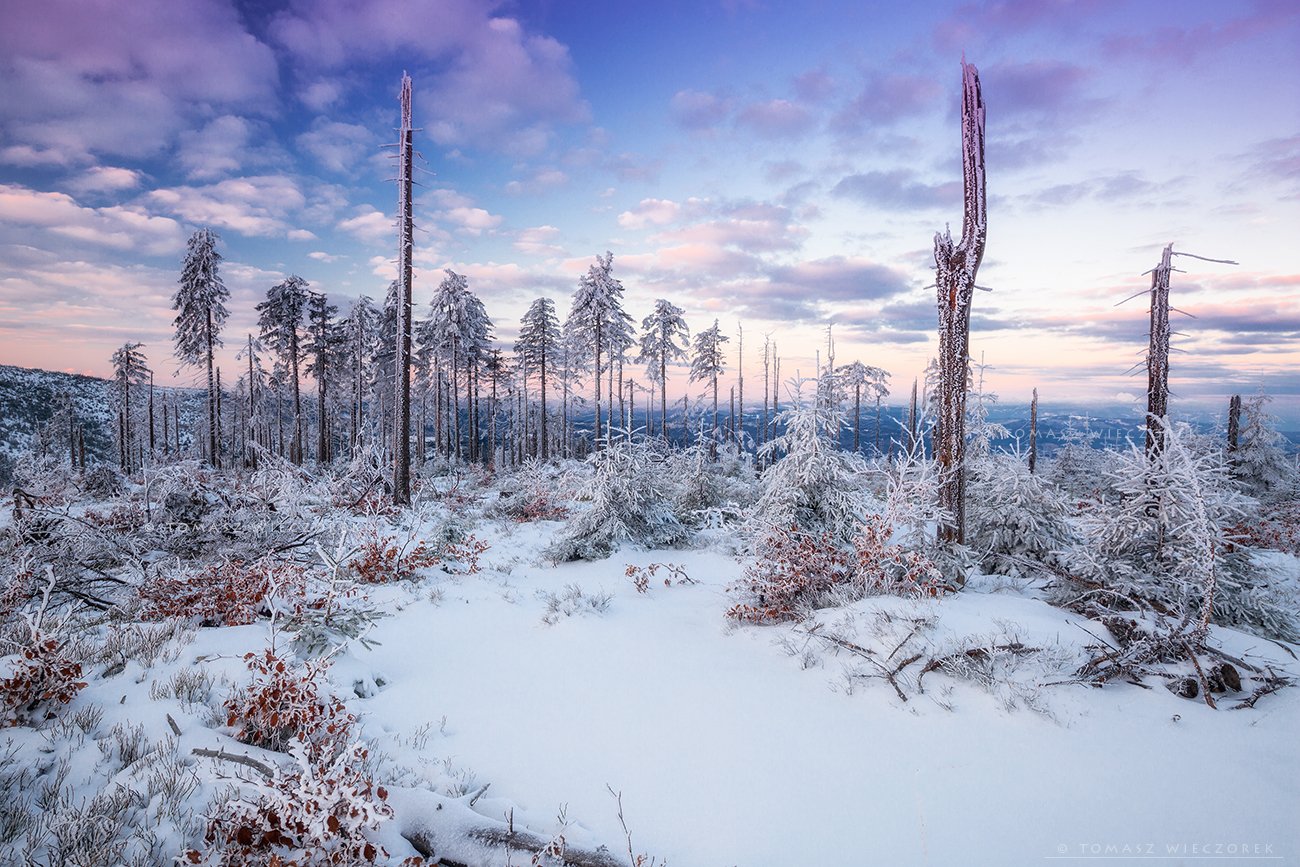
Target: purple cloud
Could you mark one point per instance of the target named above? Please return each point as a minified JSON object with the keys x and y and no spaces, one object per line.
{"x":497,"y":83}
{"x":886,"y":99}
{"x":897,"y":190}
{"x":123,"y":79}
{"x":775,"y":118}
{"x":698,"y":110}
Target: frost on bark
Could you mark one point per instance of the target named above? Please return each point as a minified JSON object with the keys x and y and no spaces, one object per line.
{"x":1158,"y":354}
{"x":955,"y":270}
{"x":1033,"y":432}
{"x":1234,"y":422}
{"x":402,"y":343}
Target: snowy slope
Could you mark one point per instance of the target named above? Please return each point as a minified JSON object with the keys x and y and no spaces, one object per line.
{"x":729,"y":751}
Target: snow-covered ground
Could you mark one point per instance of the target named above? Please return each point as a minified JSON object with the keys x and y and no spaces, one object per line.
{"x":560,"y":685}
{"x":731,"y":749}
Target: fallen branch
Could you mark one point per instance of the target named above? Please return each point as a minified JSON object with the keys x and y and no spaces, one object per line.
{"x":938,"y":662}
{"x":237,"y":758}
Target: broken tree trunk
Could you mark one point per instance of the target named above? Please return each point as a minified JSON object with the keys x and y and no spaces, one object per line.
{"x":955,"y":270}
{"x":406,"y":230}
{"x":1234,"y":422}
{"x":1158,"y":355}
{"x":1033,"y":433}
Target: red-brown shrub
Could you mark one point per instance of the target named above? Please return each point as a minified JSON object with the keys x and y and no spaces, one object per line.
{"x":1279,"y":530}
{"x":542,"y":505}
{"x":42,"y":677}
{"x":892,"y":569}
{"x":316,"y":814}
{"x":226,"y":594}
{"x":284,"y":700}
{"x":382,"y":560}
{"x":794,"y":567}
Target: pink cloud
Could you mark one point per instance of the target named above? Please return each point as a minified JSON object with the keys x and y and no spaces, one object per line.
{"x":117,"y":227}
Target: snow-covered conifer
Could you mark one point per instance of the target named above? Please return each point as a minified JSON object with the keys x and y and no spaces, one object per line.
{"x":708,"y":361}
{"x":1260,"y":462}
{"x":538,"y":345}
{"x":129,"y":367}
{"x":324,"y":343}
{"x":200,"y":312}
{"x":663,"y":339}
{"x":280,"y":318}
{"x":596,"y":316}
{"x":630,"y":504}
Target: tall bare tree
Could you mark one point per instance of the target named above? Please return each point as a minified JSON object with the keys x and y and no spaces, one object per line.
{"x":955,"y":268}
{"x":402,"y":344}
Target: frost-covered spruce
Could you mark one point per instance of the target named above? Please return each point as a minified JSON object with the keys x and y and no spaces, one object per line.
{"x":1019,"y":521}
{"x":815,"y":485}
{"x":328,"y":356}
{"x":663,"y":339}
{"x":630,"y":504}
{"x":538,"y":346}
{"x":707,"y":363}
{"x":280,"y":318}
{"x":597,"y":318}
{"x":200,"y":305}
{"x":1161,"y":533}
{"x":457,"y":333}
{"x":1260,"y":462}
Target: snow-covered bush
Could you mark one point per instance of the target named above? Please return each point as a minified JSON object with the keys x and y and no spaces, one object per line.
{"x":888,"y":551}
{"x":711,"y":492}
{"x":383,"y":558}
{"x":1016,"y":521}
{"x":1160,"y":534}
{"x":537,"y":491}
{"x":814,"y":486}
{"x":793,"y":571}
{"x":319,"y":813}
{"x":1078,"y":467}
{"x":630,"y":504}
{"x":333,"y":610}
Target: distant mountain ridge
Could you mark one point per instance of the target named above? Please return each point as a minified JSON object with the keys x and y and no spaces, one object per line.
{"x":30,"y":397}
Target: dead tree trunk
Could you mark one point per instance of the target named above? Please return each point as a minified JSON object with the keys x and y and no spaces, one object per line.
{"x":406,"y":230}
{"x":740,"y":386}
{"x":955,"y":270}
{"x":911,"y":420}
{"x":1234,"y":422}
{"x":1033,"y":433}
{"x":1158,"y":355}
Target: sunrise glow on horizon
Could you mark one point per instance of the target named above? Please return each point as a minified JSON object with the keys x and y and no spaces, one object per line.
{"x":781,"y":166}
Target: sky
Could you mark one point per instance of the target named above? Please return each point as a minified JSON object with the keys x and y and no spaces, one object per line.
{"x":781,"y":167}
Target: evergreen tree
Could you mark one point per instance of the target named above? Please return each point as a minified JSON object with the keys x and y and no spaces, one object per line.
{"x":597,"y":305}
{"x":360,"y":336}
{"x":664,"y":338}
{"x":201,"y":311}
{"x":538,"y":345}
{"x":1260,"y":461}
{"x":129,"y":366}
{"x":280,"y":317}
{"x":707,"y":363}
{"x":459,"y":331}
{"x":325,"y":339}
